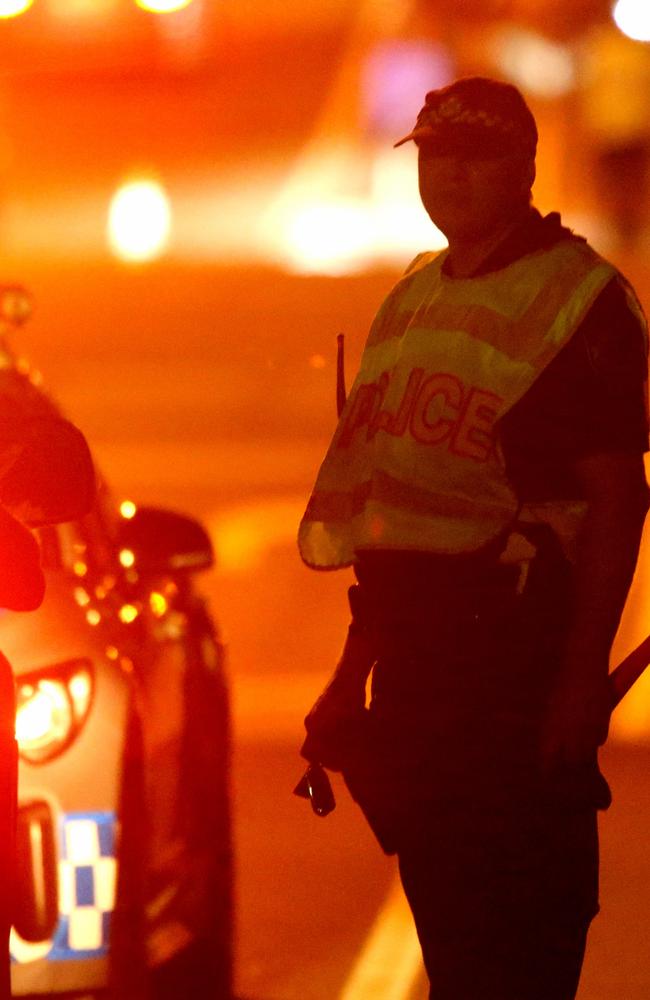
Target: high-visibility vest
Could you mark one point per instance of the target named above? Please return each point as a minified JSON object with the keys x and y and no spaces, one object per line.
{"x":415,"y":462}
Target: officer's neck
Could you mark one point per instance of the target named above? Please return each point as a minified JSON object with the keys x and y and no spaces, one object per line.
{"x":468,"y":251}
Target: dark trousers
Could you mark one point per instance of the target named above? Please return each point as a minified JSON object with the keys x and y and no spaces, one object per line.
{"x":501,"y":877}
{"x":501,"y":905}
{"x":499,"y":861}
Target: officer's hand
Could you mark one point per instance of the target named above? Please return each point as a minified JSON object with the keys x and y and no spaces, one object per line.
{"x":335,"y":723}
{"x":577,"y":719}
{"x":343,"y":699}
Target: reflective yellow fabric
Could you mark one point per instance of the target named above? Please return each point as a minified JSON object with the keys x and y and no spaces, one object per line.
{"x":415,"y":461}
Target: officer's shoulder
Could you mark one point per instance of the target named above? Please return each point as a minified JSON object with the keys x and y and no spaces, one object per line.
{"x":408,"y":279}
{"x":420,"y":261}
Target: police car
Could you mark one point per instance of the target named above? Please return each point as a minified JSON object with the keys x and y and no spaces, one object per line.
{"x":123,"y":837}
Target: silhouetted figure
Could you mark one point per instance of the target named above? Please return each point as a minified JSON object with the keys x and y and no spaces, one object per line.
{"x":486,"y":483}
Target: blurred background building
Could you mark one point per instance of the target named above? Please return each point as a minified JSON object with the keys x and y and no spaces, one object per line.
{"x":228,"y":130}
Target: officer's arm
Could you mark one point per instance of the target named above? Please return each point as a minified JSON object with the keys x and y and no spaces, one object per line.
{"x":340,"y":706}
{"x":345,"y":692}
{"x":615,"y":488}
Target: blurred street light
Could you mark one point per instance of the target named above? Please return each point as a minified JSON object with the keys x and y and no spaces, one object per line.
{"x":11,"y":8}
{"x":139,"y":221}
{"x":330,"y":237}
{"x":163,"y":6}
{"x":633,"y":18}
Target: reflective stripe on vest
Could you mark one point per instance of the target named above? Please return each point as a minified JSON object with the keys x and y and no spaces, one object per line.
{"x":415,"y":462}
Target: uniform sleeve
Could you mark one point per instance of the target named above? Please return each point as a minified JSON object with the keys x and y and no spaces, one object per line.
{"x":591,"y":399}
{"x":613,"y":337}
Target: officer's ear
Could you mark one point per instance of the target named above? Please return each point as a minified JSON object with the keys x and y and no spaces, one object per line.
{"x":532,"y":172}
{"x":527,"y":174}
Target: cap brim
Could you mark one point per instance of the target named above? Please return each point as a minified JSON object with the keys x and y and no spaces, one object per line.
{"x":466,"y":141}
{"x":424,"y":132}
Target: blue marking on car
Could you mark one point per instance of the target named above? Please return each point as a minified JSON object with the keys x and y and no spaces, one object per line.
{"x":87,"y":881}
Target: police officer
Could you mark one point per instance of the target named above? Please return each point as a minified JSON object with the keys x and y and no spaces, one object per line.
{"x":486,"y":483}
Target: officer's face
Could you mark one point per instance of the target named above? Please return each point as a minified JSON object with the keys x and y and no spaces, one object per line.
{"x":469,"y":197}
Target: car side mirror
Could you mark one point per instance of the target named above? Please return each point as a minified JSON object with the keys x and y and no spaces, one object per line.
{"x":163,"y":541}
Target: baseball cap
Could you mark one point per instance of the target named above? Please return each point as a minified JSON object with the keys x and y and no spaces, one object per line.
{"x":476,"y":116}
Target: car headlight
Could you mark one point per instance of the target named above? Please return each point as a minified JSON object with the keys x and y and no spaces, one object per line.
{"x":51,"y":707}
